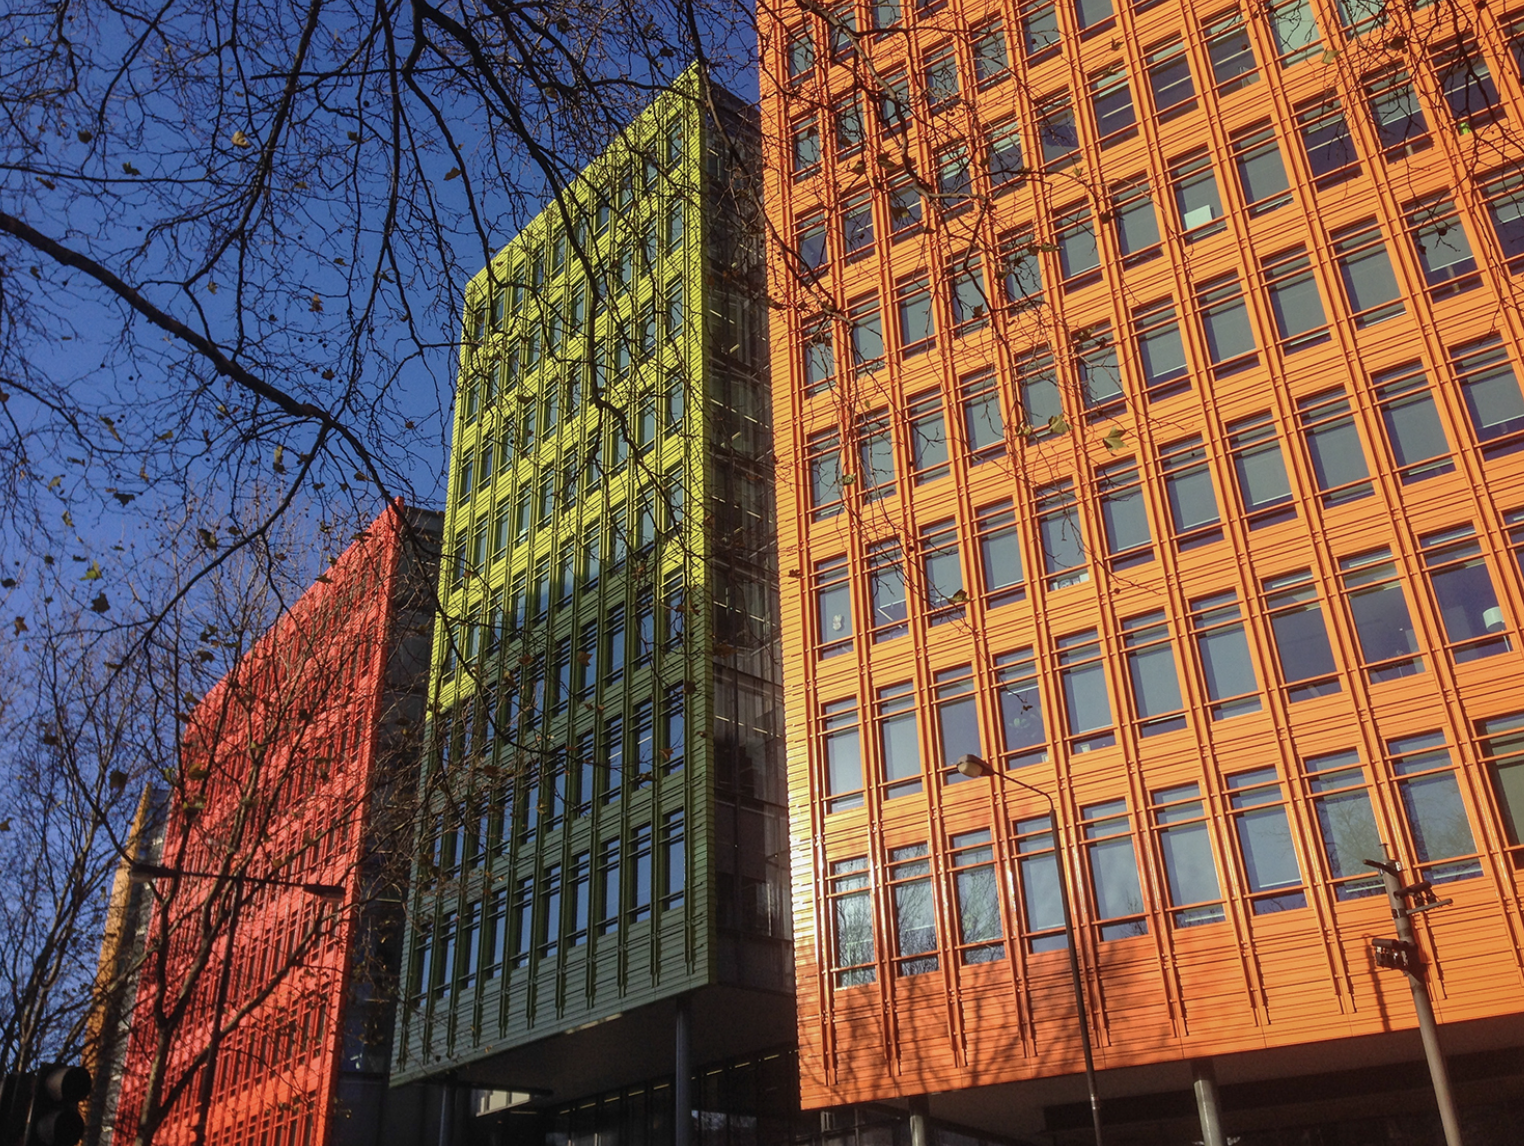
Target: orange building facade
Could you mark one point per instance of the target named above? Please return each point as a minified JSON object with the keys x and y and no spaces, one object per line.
{"x":1151,"y":428}
{"x":273,"y":944}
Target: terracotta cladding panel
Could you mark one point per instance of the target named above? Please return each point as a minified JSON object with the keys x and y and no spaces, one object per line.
{"x":1270,"y":971}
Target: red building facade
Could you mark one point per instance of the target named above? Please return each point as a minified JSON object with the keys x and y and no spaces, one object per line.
{"x":1150,"y":428}
{"x":264,"y":1000}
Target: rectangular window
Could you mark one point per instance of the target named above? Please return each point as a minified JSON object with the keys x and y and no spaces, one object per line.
{"x":1155,"y":686}
{"x":1056,"y":135}
{"x":857,"y":226}
{"x":823,"y":454}
{"x":674,"y":863}
{"x":1333,"y":445}
{"x":1021,"y":269}
{"x":843,"y":755}
{"x":1439,"y":240}
{"x":1063,"y":544}
{"x":1225,"y":322}
{"x":850,"y":129}
{"x":613,"y":666}
{"x":801,"y":55}
{"x":957,"y":716}
{"x":1087,"y":702}
{"x":1294,"y":299}
{"x":1379,"y":609}
{"x":852,"y":922}
{"x":1399,"y":119}
{"x":578,"y":896}
{"x":1326,"y":139}
{"x":1040,"y":32}
{"x":1370,"y":287}
{"x":495,"y":936}
{"x":905,"y":208}
{"x":1079,"y":259}
{"x":1137,"y":226}
{"x":915,"y":913}
{"x":1023,"y":733}
{"x":1467,"y":84}
{"x":1000,"y":568}
{"x":1161,"y":352}
{"x":1462,"y":588}
{"x":899,"y":740}
{"x":1436,"y":813}
{"x":1089,"y":13}
{"x":806,"y":147}
{"x":1260,"y":469}
{"x":886,"y":590}
{"x":470,"y":946}
{"x":608,"y":887}
{"x":1222,"y":647}
{"x":1185,"y":846}
{"x":1301,"y":636}
{"x":1123,"y":514}
{"x":523,"y":920}
{"x":1041,"y":400}
{"x":1491,"y":390}
{"x":954,"y":181}
{"x":980,"y":932}
{"x":1100,"y":374}
{"x":819,"y":358}
{"x":1198,"y":206}
{"x":1042,"y":898}
{"x":833,"y":607}
{"x":1504,"y":193}
{"x":928,"y":437}
{"x":875,"y":456}
{"x":940,"y":78}
{"x":550,"y":914}
{"x":1502,"y":749}
{"x":1169,"y":80}
{"x":640,"y":873}
{"x":1414,"y":434}
{"x":1111,"y":101}
{"x":866,"y":335}
{"x":1270,"y":867}
{"x":674,"y":739}
{"x":1261,"y":174}
{"x":992,"y":63}
{"x":1112,"y":862}
{"x":1346,"y":822}
{"x":983,"y":425}
{"x":1294,"y":30}
{"x":1231,"y":52}
{"x":943,"y":569}
{"x":970,"y":302}
{"x":842,"y":31}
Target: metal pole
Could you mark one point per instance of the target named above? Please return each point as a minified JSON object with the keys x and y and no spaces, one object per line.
{"x":1428,"y":1029}
{"x":920,"y":1121}
{"x":682,"y":1082}
{"x":1204,"y":1082}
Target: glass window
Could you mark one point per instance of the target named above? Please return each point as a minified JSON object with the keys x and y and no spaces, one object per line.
{"x":1505,"y":207}
{"x":928,"y":437}
{"x":1003,"y":157}
{"x":608,"y":887}
{"x":1042,"y":899}
{"x":523,"y":920}
{"x":970,"y":302}
{"x":1188,"y":489}
{"x":852,"y":922}
{"x":1111,"y":102}
{"x":942,"y":567}
{"x":833,"y":603}
{"x":954,"y":182}
{"x":980,"y":932}
{"x":1056,"y":134}
{"x":1333,"y":444}
{"x":1294,"y":30}
{"x":899,"y":739}
{"x":1261,"y":174}
{"x":1021,"y":265}
{"x":806,"y":147}
{"x":905,"y":208}
{"x":1113,"y":868}
{"x":1503,"y":750}
{"x":1169,"y":79}
{"x":982,"y":421}
{"x":1063,"y":545}
{"x":1413,"y":430}
{"x":1436,"y":814}
{"x":1260,"y":469}
{"x":841,"y":30}
{"x":857,"y":225}
{"x":1468,"y":605}
{"x":940,"y":78}
{"x":1039,"y":28}
{"x":823,"y":452}
{"x":886,"y":590}
{"x":674,"y":738}
{"x":1223,"y":649}
{"x":674,"y":867}
{"x":894,"y":103}
{"x":1132,"y":208}
{"x":1491,"y":390}
{"x":1467,"y":84}
{"x":1000,"y":568}
{"x":875,"y":455}
{"x":1230,"y":51}
{"x":1301,"y":636}
{"x":915,"y":912}
{"x":1439,"y":240}
{"x":550,"y":915}
{"x":1369,"y":284}
{"x":1380,"y":612}
{"x":811,"y":245}
{"x":851,"y":130}
{"x":992,"y":63}
{"x":1185,"y":846}
{"x":1197,"y":203}
{"x":1090,"y":12}
{"x":1124,"y":513}
{"x":1225,"y":322}
{"x":1023,"y":733}
{"x":1294,"y":299}
{"x":1330,"y":148}
{"x":1400,"y":124}
{"x":1161,"y":353}
{"x":1100,"y":374}
{"x":957,"y":713}
{"x":843,"y":756}
{"x":819,"y":358}
{"x":1346,"y":822}
{"x":1077,"y":251}
{"x":866,"y":334}
{"x":1087,"y":703}
{"x":1270,"y":866}
{"x":1155,"y":686}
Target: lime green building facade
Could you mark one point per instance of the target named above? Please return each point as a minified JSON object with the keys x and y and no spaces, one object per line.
{"x":603,"y":852}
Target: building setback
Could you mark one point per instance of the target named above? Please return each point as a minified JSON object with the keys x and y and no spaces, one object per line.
{"x":1149,"y":428}
{"x":604,"y":861}
{"x":277,"y":886}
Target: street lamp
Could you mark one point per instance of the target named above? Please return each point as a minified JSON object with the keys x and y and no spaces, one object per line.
{"x":140,"y":872}
{"x":975,"y":768}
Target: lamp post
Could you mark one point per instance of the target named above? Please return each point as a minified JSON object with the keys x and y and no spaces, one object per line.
{"x":140,"y":872}
{"x":975,"y":767}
